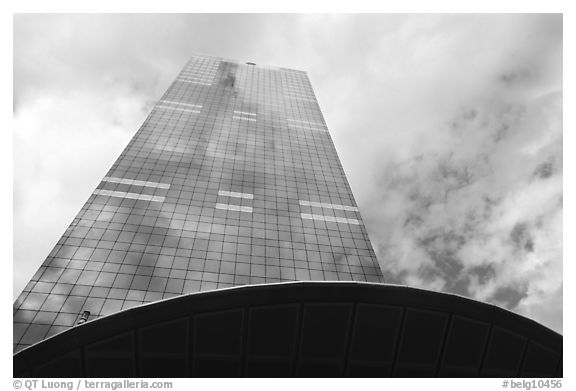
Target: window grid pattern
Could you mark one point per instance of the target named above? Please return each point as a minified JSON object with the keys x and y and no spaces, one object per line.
{"x":213,"y":202}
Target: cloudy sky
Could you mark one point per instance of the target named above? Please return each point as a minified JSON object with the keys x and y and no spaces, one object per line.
{"x":449,"y":128}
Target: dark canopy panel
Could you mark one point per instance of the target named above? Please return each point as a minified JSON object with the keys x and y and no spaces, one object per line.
{"x":302,"y":329}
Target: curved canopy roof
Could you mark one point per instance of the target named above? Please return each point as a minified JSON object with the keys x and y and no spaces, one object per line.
{"x":316,"y":329}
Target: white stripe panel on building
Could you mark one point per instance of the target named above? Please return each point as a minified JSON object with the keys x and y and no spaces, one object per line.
{"x":305,"y":122}
{"x":200,"y":78}
{"x":327,"y":205}
{"x":234,"y":194}
{"x":307,"y":127}
{"x":329,"y":218}
{"x":136,"y":182}
{"x":179,"y":103}
{"x":244,"y":113}
{"x":196,"y":80}
{"x":134,"y":196}
{"x":198,"y":73}
{"x":300,"y":94}
{"x":177,"y":109}
{"x":193,"y":82}
{"x":244,"y":118}
{"x":236,"y":208}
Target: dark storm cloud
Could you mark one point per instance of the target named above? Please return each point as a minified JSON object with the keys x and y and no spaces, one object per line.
{"x":449,"y":128}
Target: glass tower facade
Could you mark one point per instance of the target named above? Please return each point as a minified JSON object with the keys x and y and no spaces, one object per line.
{"x":232,"y":179}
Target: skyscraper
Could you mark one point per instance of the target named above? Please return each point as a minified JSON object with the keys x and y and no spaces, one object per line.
{"x":231,"y":180}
